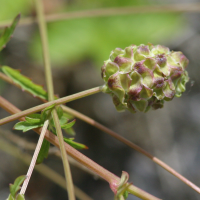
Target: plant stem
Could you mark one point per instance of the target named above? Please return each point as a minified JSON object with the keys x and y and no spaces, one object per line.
{"x":132,"y":145}
{"x":49,"y":83}
{"x":99,"y":170}
{"x":120,"y":138}
{"x":56,"y":102}
{"x":104,"y":12}
{"x":42,"y":168}
{"x":35,"y":155}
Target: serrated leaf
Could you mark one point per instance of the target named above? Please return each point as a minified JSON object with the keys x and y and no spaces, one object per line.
{"x":16,"y":186}
{"x":7,"y":33}
{"x":25,"y":126}
{"x":33,"y":120}
{"x":43,"y":151}
{"x":10,"y":197}
{"x":75,"y":145}
{"x":20,"y":197}
{"x":25,"y":83}
{"x":68,"y":125}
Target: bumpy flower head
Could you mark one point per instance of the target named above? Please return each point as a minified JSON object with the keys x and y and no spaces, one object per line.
{"x":142,"y":77}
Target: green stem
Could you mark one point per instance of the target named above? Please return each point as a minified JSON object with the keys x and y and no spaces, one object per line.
{"x":49,"y":83}
{"x":56,"y":102}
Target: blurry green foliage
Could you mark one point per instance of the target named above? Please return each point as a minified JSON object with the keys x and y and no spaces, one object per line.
{"x":71,"y":41}
{"x":9,"y":8}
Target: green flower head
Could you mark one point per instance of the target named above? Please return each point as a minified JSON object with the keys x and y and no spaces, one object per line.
{"x":142,"y":77}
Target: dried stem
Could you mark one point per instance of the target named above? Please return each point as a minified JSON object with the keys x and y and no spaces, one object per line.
{"x":104,"y":12}
{"x":99,"y":170}
{"x":35,"y":155}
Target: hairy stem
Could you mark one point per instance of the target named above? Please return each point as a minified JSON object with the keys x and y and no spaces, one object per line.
{"x":50,"y":89}
{"x":56,"y":102}
{"x":99,"y":170}
{"x":104,"y":12}
{"x":42,"y":168}
{"x":35,"y":155}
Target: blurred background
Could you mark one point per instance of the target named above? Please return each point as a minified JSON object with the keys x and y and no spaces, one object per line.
{"x":78,"y":48}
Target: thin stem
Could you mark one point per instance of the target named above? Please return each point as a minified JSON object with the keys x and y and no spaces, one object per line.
{"x":42,"y":168}
{"x":120,"y":138}
{"x":50,"y":89}
{"x":35,"y":155}
{"x":68,"y":176}
{"x":132,"y":145}
{"x":104,"y":12}
{"x":56,"y":102}
{"x":99,"y":170}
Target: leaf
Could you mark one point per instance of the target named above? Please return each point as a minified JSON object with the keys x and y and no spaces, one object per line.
{"x":59,"y":111}
{"x":35,"y":115}
{"x":25,"y":126}
{"x":33,"y":120}
{"x":20,"y":197}
{"x":10,"y":197}
{"x":43,"y":151}
{"x":16,"y":186}
{"x":25,"y":83}
{"x":67,"y":115}
{"x":75,"y":145}
{"x":63,"y":120}
{"x":70,"y":131}
{"x":68,"y":125}
{"x":7,"y":33}
{"x":46,"y":113}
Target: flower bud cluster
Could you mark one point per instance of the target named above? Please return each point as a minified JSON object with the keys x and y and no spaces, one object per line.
{"x":140,"y":78}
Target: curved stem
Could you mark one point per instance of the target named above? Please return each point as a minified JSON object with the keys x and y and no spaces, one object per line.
{"x":105,"y":174}
{"x":56,"y":102}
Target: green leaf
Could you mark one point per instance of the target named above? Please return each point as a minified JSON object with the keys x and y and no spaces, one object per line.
{"x":59,"y":111}
{"x":25,"y":83}
{"x":46,"y":113}
{"x":70,"y":131}
{"x":33,"y":120}
{"x":25,"y":126}
{"x":10,"y":197}
{"x":20,"y":197}
{"x":43,"y":151}
{"x":67,"y":115}
{"x":16,"y":186}
{"x":68,"y":125}
{"x":75,"y":145}
{"x":7,"y":33}
{"x":63,"y":120}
